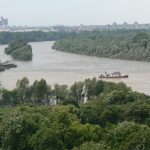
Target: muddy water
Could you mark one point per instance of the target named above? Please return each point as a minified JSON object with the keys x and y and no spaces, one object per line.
{"x":65,"y":68}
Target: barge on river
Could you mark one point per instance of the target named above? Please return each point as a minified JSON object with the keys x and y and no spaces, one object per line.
{"x":113,"y":75}
{"x":7,"y":65}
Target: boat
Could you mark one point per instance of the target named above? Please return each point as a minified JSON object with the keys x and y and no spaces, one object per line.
{"x":8,"y":65}
{"x":113,"y":75}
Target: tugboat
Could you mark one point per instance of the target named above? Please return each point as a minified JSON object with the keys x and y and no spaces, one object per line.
{"x":114,"y":75}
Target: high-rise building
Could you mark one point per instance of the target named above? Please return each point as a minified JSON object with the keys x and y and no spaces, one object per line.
{"x":3,"y":22}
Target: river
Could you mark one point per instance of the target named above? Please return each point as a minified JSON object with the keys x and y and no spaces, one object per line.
{"x":66,"y":68}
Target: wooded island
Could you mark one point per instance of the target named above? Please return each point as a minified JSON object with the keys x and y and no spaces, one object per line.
{"x":20,"y":50}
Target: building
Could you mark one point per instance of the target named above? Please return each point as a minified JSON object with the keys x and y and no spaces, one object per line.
{"x":4,"y":24}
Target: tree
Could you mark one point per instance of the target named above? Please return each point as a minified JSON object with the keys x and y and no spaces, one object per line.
{"x":129,"y":135}
{"x":99,"y":87}
{"x":40,"y":91}
{"x":23,"y":90}
{"x":92,"y":146}
{"x":47,"y":139}
{"x":123,"y":44}
{"x":60,"y":92}
{"x":90,"y":87}
{"x":138,"y":111}
{"x":9,"y":97}
{"x":76,"y":91}
{"x":19,"y":49}
{"x":116,"y":97}
{"x":140,"y":36}
{"x":11,"y":131}
{"x":77,"y":134}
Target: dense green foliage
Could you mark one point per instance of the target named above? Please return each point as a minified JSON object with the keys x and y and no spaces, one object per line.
{"x":42,"y":93}
{"x":34,"y":36}
{"x":113,"y":118}
{"x":122,"y":44}
{"x":19,"y":49}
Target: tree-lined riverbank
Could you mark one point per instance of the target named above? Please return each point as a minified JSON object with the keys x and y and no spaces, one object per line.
{"x":33,"y":36}
{"x":122,"y":44}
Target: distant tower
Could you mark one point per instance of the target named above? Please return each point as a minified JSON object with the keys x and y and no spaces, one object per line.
{"x":3,"y":22}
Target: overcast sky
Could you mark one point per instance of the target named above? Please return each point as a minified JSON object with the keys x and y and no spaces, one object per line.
{"x":74,"y":12}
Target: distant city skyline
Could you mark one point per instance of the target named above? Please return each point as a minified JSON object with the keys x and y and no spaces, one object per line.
{"x":74,"y":12}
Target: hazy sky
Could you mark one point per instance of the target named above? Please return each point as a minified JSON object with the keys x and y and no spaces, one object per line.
{"x":74,"y":12}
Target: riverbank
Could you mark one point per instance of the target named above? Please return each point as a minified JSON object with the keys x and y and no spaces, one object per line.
{"x":116,"y":44}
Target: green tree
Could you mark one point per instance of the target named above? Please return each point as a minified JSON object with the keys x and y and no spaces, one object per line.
{"x":76,"y":91}
{"x":60,"y":92}
{"x":19,"y":49}
{"x":77,"y":134}
{"x":130,"y":136}
{"x":40,"y":91}
{"x":23,"y":90}
{"x":92,"y":146}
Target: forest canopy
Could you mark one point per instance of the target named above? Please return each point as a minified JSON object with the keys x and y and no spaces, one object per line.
{"x":33,"y":36}
{"x":113,"y":117}
{"x":121,"y":44}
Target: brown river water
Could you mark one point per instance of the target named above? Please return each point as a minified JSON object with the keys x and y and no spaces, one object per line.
{"x":66,"y":68}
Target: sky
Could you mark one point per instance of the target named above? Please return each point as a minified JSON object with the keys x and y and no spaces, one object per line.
{"x":74,"y":12}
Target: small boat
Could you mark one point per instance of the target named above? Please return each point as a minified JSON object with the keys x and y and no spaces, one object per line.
{"x":8,"y":64}
{"x":113,"y":75}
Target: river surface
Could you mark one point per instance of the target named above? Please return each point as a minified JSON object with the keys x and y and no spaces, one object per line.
{"x":66,"y":68}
